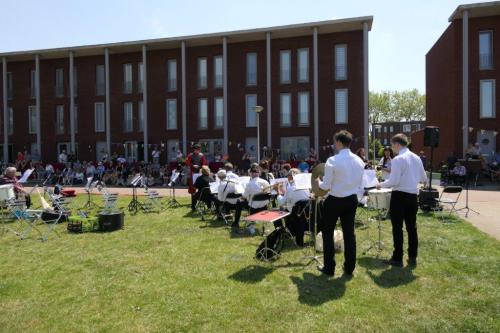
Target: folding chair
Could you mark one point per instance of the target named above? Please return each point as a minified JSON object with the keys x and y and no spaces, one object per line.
{"x":449,"y":196}
{"x":110,"y":201}
{"x":27,"y":219}
{"x":51,"y":224}
{"x":153,"y":201}
{"x":204,"y":204}
{"x":224,"y":207}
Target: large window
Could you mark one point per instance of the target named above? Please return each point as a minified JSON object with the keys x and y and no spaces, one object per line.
{"x":171,"y":109}
{"x":285,"y":110}
{"x":341,"y":62}
{"x":486,"y":49}
{"x":202,"y":73}
{"x":127,"y":78}
{"x":303,"y":65}
{"x":140,"y":76}
{"x":251,"y":115}
{"x":487,"y":98}
{"x":219,"y":112}
{"x":141,"y":116}
{"x":59,"y":82}
{"x":60,"y":119}
{"x":297,"y":146}
{"x":218,"y":78}
{"x":33,"y":84}
{"x":341,"y":106}
{"x":99,"y":117}
{"x":407,"y":128}
{"x":202,"y":113}
{"x":251,"y":69}
{"x":100,"y":80}
{"x":303,"y":103}
{"x":172,"y":75}
{"x":285,"y":66}
{"x":32,"y":119}
{"x":128,"y":117}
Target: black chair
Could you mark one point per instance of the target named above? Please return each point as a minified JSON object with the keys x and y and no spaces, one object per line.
{"x":224,"y":209}
{"x":449,"y":196}
{"x":204,"y":204}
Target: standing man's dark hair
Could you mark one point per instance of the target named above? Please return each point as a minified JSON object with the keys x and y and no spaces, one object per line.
{"x":343,"y":137}
{"x":401,"y":139}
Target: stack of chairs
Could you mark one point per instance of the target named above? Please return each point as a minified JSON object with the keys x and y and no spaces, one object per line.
{"x":152,"y":203}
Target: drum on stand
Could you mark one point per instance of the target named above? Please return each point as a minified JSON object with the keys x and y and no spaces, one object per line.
{"x":380,"y":199}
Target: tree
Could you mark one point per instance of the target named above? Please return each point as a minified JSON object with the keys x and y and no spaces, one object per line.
{"x":406,"y":105}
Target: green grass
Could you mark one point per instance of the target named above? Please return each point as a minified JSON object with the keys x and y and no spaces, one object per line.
{"x":172,"y":272}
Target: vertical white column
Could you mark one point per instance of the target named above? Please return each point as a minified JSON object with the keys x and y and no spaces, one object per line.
{"x":5,"y":112}
{"x":108,"y":102}
{"x":224,"y":73}
{"x":268,"y":85}
{"x":38,"y":111}
{"x":145,"y":102}
{"x":315,"y":82}
{"x":72,"y":101}
{"x":365,"y":85}
{"x":184,"y":112}
{"x":465,"y":80}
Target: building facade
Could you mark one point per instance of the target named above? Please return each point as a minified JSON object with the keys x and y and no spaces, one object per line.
{"x":133,"y":97}
{"x":462,"y":78}
{"x":385,"y":131}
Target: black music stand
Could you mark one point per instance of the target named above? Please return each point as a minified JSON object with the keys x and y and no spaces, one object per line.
{"x":90,"y":204}
{"x":467,"y":209}
{"x":172,"y":202}
{"x":135,"y":204}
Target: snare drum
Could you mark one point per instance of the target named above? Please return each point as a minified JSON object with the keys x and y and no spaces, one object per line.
{"x":7,"y":192}
{"x":379,"y":199}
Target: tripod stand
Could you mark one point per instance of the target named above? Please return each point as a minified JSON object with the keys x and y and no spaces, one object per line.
{"x":135,"y":204}
{"x":467,"y":209}
{"x":314,"y":257}
{"x":90,"y":204}
{"x":172,"y":202}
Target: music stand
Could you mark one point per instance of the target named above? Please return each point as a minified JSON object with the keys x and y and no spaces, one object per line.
{"x":314,"y":257}
{"x":89,"y":205}
{"x":467,"y":209}
{"x":172,"y":202}
{"x":135,"y":204}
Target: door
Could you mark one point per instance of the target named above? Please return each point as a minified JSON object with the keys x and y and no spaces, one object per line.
{"x":172,"y":147}
{"x":100,"y":150}
{"x":251,"y":148}
{"x":487,"y":143}
{"x":131,"y":151}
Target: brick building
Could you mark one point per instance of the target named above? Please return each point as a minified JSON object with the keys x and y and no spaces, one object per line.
{"x":385,"y":131}
{"x":131,"y":97}
{"x":462,"y":70}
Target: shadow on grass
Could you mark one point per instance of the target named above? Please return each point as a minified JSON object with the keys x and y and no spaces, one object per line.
{"x":391,"y":276}
{"x":315,"y":290}
{"x":251,"y":274}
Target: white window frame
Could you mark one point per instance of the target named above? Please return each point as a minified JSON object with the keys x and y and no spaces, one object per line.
{"x":172,"y":75}
{"x":128,"y":117}
{"x":283,"y":70}
{"x":249,"y":75}
{"x":32,"y":119}
{"x":100,"y":87}
{"x":169,"y":102}
{"x":385,"y":129}
{"x":140,"y":77}
{"x":127,"y":78}
{"x":140,"y":110}
{"x":391,"y":129}
{"x":301,"y":121}
{"x":285,"y":122}
{"x":99,"y":119}
{"x":218,"y":72}
{"x":337,"y":75}
{"x":202,"y":73}
{"x":202,"y":113}
{"x":300,"y":51}
{"x":219,"y":112}
{"x":60,"y":119}
{"x":346,"y":121}
{"x":59,"y":82}
{"x":491,"y":58}
{"x":493,"y":96}
{"x":250,"y":110}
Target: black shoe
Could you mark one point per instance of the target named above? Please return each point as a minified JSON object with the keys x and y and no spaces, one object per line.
{"x":348,"y":271}
{"x":324,"y":271}
{"x":393,"y":262}
{"x":412,"y":262}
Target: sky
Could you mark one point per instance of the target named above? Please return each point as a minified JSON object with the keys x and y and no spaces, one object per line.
{"x":403,"y":31}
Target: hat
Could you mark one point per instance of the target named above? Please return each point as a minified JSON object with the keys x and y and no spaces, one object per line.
{"x":196,"y":146}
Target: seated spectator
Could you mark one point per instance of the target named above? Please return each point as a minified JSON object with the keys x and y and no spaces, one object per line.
{"x":458,"y":173}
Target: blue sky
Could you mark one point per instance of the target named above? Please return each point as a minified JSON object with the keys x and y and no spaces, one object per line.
{"x":402,"y":33}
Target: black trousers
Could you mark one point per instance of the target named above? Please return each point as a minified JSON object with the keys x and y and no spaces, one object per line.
{"x":345,"y":209}
{"x":404,"y":207}
{"x":238,"y":207}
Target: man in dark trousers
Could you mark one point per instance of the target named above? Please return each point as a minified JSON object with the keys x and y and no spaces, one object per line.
{"x":407,"y":171}
{"x":343,"y":178}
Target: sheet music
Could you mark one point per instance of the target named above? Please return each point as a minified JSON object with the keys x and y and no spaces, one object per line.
{"x":195,"y":176}
{"x":214,"y":187}
{"x":278,"y":181}
{"x":242,"y":184}
{"x":135,"y":181}
{"x":302,"y":181}
{"x":89,"y":181}
{"x":26,"y":175}
{"x":369,"y":179}
{"x":175,"y":176}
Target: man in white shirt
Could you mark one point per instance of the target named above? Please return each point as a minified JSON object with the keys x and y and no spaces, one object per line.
{"x":343,"y":178}
{"x":226,"y":187}
{"x":255,"y":186}
{"x":229,"y":172}
{"x":406,"y":172}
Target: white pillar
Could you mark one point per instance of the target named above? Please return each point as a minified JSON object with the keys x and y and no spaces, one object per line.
{"x":315,"y":81}
{"x":268,"y":86}
{"x":108,"y":102}
{"x":145,"y":102}
{"x":465,"y":80}
{"x":365,"y":85}
{"x":38,"y":116}
{"x":5,"y":112}
{"x":184,"y":113}
{"x":72,"y":101}
{"x":224,"y":73}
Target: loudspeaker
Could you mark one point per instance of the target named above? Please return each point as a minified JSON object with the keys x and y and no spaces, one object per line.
{"x":431,"y":136}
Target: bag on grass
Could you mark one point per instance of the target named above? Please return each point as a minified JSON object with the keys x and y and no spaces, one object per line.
{"x":274,"y":245}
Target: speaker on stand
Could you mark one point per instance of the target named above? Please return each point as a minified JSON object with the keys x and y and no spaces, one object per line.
{"x":428,"y":196}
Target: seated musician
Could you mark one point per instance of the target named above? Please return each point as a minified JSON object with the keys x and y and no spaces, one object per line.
{"x":458,"y":173}
{"x":201,"y":182}
{"x":228,"y":186}
{"x":228,"y":167}
{"x":9,"y":177}
{"x":294,"y":201}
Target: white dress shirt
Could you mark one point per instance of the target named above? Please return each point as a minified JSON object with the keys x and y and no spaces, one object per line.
{"x":226,"y":187}
{"x":406,"y":172}
{"x":292,"y":196}
{"x":387,"y":165}
{"x":343,"y":174}
{"x":232,"y":176}
{"x":254,"y":186}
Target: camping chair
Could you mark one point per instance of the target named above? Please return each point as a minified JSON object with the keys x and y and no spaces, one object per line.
{"x":204,"y":204}
{"x":51,"y":223}
{"x":27,"y":219}
{"x":152,"y":202}
{"x":110,"y":201}
{"x":449,"y":196}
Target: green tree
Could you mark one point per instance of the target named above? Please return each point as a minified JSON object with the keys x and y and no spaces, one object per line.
{"x":406,"y":105}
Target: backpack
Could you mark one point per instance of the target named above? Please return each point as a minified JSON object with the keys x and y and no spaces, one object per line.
{"x":274,"y":245}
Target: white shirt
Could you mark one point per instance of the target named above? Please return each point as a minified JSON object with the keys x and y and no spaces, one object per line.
{"x":226,"y":188}
{"x":406,"y":172}
{"x":292,"y":196}
{"x":387,"y":165}
{"x":343,"y":174}
{"x":62,"y":158}
{"x":232,"y":176}
{"x":254,"y":186}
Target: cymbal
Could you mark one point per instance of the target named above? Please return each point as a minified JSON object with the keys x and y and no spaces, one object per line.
{"x":318,"y":171}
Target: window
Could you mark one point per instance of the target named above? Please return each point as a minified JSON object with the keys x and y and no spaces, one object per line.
{"x":218,"y":79}
{"x":298,"y":145}
{"x":219,"y":112}
{"x":285,"y":110}
{"x":33,"y":84}
{"x":285,"y":66}
{"x":99,"y":117}
{"x":11,"y":121}
{"x":140,"y":75}
{"x":485,"y":49}
{"x":385,"y":141}
{"x":303,"y":108}
{"x":100,"y":78}
{"x":487,"y":99}
{"x":127,"y":78}
{"x":251,"y":69}
{"x":391,"y":129}
{"x":60,"y":119}
{"x":251,"y":115}
{"x":32,"y":120}
{"x":172,"y":74}
{"x":171,"y":114}
{"x":385,"y":129}
{"x":202,"y":73}
{"x":128,"y":117}
{"x":202,"y":113}
{"x":303,"y":65}
{"x":141,"y":116}
{"x":340,"y":62}
{"x":341,"y":106}
{"x":59,"y":82}
{"x":407,"y":128}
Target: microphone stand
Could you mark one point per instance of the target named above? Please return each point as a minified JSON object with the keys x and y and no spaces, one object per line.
{"x":467,"y":209}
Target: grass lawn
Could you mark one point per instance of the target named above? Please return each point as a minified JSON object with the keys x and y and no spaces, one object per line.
{"x":172,"y":272}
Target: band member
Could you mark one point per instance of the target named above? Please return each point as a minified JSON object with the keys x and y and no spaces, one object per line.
{"x":201,"y":182}
{"x":9,"y":177}
{"x":194,"y":161}
{"x":343,"y":178}
{"x":229,"y":186}
{"x":406,"y":172}
{"x":229,"y":172}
